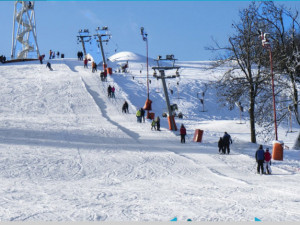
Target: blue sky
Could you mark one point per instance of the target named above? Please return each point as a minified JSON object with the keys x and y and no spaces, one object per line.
{"x":182,"y":28}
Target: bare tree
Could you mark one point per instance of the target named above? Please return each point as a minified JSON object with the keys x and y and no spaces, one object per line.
{"x":245,"y":79}
{"x":283,"y":26}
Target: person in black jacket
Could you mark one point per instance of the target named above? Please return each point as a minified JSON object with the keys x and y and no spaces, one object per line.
{"x":221,"y":146}
{"x":125,"y":107}
{"x":226,"y":142}
{"x":260,"y":158}
{"x":49,"y":66}
{"x":143,"y":114}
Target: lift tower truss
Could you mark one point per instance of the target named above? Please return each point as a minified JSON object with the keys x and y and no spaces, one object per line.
{"x":24,"y":39}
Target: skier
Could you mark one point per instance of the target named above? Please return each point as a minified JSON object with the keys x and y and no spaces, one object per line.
{"x":182,"y":133}
{"x":153,"y":125}
{"x":50,"y":54}
{"x":109,"y":91}
{"x":125,"y":107}
{"x":94,"y":67}
{"x":157,"y":121}
{"x":226,"y":142}
{"x":113,"y":92}
{"x":221,"y":146}
{"x":41,"y":59}
{"x":49,"y":66}
{"x":85,"y":63}
{"x":260,"y":156}
{"x":138,"y":116}
{"x":143,"y":114}
{"x":267,"y":163}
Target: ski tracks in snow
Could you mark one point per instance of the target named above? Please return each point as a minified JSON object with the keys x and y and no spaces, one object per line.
{"x":103,"y":108}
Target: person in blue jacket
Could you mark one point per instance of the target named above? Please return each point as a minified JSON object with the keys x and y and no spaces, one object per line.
{"x":260,"y":157}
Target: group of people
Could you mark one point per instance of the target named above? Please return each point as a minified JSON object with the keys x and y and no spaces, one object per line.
{"x":224,"y":143}
{"x":140,"y":115}
{"x":52,"y":54}
{"x":80,"y":55}
{"x":111,"y":91}
{"x":155,"y":124}
{"x":103,"y":76}
{"x":2,"y":58}
{"x":263,"y":159}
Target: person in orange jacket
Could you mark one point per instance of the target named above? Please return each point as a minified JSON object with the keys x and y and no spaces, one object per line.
{"x":182,"y":133}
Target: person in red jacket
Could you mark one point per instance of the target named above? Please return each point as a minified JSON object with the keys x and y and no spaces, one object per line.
{"x":182,"y":133}
{"x":85,"y":63}
{"x":267,"y":163}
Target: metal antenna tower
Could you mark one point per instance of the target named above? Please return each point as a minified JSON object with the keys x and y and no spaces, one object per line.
{"x":24,"y":40}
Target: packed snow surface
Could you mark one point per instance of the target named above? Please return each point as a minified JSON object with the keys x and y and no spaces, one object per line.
{"x":68,"y":153}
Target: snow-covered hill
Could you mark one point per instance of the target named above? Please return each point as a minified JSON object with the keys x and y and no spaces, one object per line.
{"x":68,"y":153}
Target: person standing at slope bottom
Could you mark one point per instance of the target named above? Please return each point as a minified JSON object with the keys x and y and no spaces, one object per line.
{"x":182,"y":133}
{"x":267,"y":163}
{"x":113,"y":92}
{"x":221,"y":145}
{"x":157,"y":121}
{"x":260,"y":157}
{"x":143,"y":114}
{"x":226,"y":142}
{"x":109,"y":91}
{"x":85,"y":63}
{"x":138,"y":116}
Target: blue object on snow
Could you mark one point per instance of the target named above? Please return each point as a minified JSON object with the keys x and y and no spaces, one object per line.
{"x":174,"y":219}
{"x":256,"y":219}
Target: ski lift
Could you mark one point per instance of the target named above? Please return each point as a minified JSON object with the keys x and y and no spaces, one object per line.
{"x":171,"y":90}
{"x":180,"y":115}
{"x":157,"y":88}
{"x":174,"y":107}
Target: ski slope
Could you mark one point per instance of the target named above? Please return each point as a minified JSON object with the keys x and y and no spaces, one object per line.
{"x":68,"y":153}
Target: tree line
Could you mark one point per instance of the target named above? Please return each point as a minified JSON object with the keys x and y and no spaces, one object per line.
{"x":248,"y":79}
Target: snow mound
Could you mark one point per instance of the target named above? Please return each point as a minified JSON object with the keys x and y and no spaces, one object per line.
{"x":127,"y":56}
